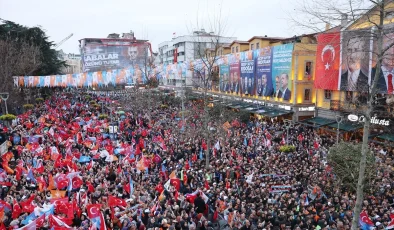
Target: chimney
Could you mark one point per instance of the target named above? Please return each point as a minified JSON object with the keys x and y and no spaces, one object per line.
{"x":327,"y":26}
{"x":344,"y":20}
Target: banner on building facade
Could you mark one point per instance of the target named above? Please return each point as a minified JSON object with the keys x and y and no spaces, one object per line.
{"x":236,"y":76}
{"x":263,"y":72}
{"x":281,"y":70}
{"x":247,"y":73}
{"x":327,"y":61}
{"x":385,"y":80}
{"x":103,"y":54}
{"x":226,"y":82}
{"x":355,"y":65}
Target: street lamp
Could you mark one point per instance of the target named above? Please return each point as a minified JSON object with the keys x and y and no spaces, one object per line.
{"x":4,"y":96}
{"x":288,"y":124}
{"x":339,"y":121}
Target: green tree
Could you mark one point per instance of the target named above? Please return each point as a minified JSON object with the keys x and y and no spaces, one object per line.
{"x":345,"y":160}
{"x":24,"y":51}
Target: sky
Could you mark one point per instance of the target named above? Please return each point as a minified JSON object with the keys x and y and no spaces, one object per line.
{"x":154,"y":20}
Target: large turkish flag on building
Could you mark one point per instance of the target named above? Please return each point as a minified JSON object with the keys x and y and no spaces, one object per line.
{"x":327,"y":61}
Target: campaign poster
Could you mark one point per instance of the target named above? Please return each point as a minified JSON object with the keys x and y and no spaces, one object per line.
{"x":247,"y":73}
{"x":236,"y":76}
{"x":281,"y":71}
{"x":263,"y":72}
{"x":356,"y":50}
{"x":385,"y":82}
{"x":225,"y":83}
{"x":102,"y":54}
{"x":327,"y":61}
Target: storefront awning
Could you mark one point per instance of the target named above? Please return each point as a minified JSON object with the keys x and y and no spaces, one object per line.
{"x":317,"y":121}
{"x":276,"y":113}
{"x":389,"y":137}
{"x":346,"y":126}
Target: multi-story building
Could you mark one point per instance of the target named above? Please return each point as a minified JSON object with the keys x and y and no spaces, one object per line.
{"x":73,"y":62}
{"x":190,"y":47}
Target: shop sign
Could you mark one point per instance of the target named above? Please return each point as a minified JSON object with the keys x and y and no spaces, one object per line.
{"x":374,"y":120}
{"x":352,"y":117}
{"x":302,"y":109}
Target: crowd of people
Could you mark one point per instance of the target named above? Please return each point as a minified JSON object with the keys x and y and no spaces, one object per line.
{"x":70,"y":164}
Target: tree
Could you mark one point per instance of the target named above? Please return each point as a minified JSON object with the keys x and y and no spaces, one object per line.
{"x":374,"y":16}
{"x":345,"y":160}
{"x":24,"y":51}
{"x":205,"y":65}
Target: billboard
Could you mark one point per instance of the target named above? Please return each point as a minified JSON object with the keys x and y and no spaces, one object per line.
{"x":247,"y":73}
{"x":327,"y":61}
{"x":385,"y":82}
{"x":226,"y":82}
{"x":281,"y":70}
{"x":235,"y":75}
{"x":101,"y":54}
{"x":356,"y":47}
{"x":263,"y":72}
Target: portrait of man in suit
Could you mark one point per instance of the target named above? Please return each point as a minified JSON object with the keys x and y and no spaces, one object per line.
{"x":265,"y":89}
{"x":385,"y":81}
{"x":250,"y":86}
{"x":355,"y":56}
{"x":284,"y":80}
{"x":236,"y":83}
{"x":278,"y":92}
{"x":245,"y":85}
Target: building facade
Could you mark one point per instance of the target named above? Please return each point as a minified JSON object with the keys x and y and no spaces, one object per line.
{"x":73,"y":62}
{"x":190,"y":47}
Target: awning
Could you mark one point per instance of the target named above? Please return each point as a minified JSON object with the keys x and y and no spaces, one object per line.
{"x":276,"y":113}
{"x":389,"y":137}
{"x":346,"y":126}
{"x":317,"y":121}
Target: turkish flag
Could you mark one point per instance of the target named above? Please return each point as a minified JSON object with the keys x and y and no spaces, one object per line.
{"x":61,"y":181}
{"x":17,"y":210}
{"x":93,"y":210}
{"x":176,"y":183}
{"x":159,"y":188}
{"x":40,"y":221}
{"x":327,"y":61}
{"x":77,"y":182}
{"x":114,"y":201}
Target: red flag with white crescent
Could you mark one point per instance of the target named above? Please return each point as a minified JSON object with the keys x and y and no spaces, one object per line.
{"x":327,"y":61}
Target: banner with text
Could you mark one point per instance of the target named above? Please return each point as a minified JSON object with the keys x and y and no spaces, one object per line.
{"x":281,"y":70}
{"x":263,"y":72}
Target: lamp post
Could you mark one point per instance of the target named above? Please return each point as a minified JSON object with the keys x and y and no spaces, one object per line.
{"x":339,"y":121}
{"x":288,"y":124}
{"x":4,"y":96}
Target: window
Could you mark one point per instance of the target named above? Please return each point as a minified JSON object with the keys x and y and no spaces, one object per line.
{"x":349,"y":96}
{"x":307,"y":95}
{"x":257,"y":45}
{"x":308,"y":70}
{"x":252,"y":46}
{"x":327,"y":94}
{"x":232,"y":50}
{"x":236,"y":49}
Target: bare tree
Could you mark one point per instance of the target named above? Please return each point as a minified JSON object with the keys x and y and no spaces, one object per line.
{"x":375,"y":18}
{"x":206,"y":56}
{"x":16,"y":59}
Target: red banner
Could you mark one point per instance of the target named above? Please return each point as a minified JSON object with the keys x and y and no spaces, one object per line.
{"x":327,"y":61}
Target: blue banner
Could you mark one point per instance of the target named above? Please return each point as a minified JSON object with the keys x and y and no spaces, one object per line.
{"x":247,"y":77}
{"x":281,"y":70}
{"x":263,"y":72}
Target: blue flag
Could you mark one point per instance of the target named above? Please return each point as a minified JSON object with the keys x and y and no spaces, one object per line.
{"x":29,"y":218}
{"x":200,"y":153}
{"x":163,"y":168}
{"x":84,"y":159}
{"x":245,"y":141}
{"x":31,"y":176}
{"x":190,"y":163}
{"x":131,"y":186}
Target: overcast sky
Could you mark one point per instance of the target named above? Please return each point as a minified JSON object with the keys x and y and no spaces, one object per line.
{"x":155,"y":20}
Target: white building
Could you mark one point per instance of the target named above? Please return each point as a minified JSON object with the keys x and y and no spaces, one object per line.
{"x":187,"y":46}
{"x":73,"y":61}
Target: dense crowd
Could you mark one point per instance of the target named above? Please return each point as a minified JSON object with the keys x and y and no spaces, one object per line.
{"x":67,"y":166}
